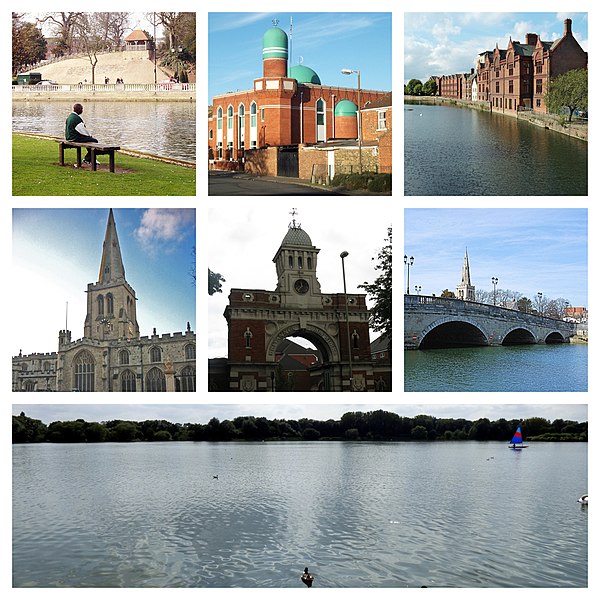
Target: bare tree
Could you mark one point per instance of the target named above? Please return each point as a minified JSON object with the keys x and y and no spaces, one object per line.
{"x":62,"y":24}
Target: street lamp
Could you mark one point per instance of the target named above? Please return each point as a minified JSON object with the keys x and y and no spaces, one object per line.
{"x":417,"y":289}
{"x":540,"y":311}
{"x":494,"y":283}
{"x":343,"y":255}
{"x":408,"y":261}
{"x":349,"y":72}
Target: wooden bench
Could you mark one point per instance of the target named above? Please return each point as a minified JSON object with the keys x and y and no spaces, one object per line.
{"x":94,"y":148}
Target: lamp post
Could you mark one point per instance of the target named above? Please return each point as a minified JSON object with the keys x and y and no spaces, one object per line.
{"x":417,"y":290}
{"x":343,"y":255}
{"x":540,"y":296}
{"x":359,"y":115}
{"x":494,"y":283}
{"x":154,"y":43}
{"x":408,"y":261}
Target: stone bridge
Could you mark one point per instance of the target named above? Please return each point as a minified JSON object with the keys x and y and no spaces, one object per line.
{"x":434,"y":322}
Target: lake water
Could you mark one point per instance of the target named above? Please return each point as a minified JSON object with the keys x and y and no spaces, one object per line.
{"x":161,"y":128}
{"x":449,"y":514}
{"x":529,"y":368}
{"x":461,"y":151}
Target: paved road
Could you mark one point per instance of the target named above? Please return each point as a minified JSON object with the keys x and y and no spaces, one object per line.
{"x":236,"y":184}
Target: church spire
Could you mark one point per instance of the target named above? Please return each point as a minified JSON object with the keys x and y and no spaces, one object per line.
{"x":111,"y":265}
{"x":466,"y":273}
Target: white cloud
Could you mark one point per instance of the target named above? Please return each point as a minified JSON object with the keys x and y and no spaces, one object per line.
{"x":161,"y":226}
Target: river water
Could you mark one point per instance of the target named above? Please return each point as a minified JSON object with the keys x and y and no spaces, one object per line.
{"x":436,"y":514}
{"x":529,"y":368}
{"x":162,"y":128}
{"x":465,"y":152}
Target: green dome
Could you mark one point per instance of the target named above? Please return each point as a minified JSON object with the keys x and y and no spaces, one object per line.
{"x":345,"y":108}
{"x":275,"y":43}
{"x":304,"y":74}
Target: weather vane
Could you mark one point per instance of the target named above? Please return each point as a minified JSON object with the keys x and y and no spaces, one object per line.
{"x":275,"y":22}
{"x":293,"y":212}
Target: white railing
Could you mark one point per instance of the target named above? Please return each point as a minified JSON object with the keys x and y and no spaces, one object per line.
{"x":110,"y":87}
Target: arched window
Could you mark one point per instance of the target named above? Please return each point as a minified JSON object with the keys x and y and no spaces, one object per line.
{"x":241,"y":126}
{"x":110,"y":308}
{"x":190,"y":352}
{"x":155,"y":381}
{"x":300,"y":262}
{"x":124,"y":357}
{"x":308,"y":262}
{"x":155,"y":354}
{"x":127,"y":381}
{"x":355,"y":340}
{"x":220,"y":118}
{"x":100,"y":301}
{"x":253,"y":125}
{"x":320,"y":120}
{"x":188,"y":379}
{"x":230,"y":117}
{"x":290,"y":261}
{"x":83,"y":366}
{"x":30,"y":386}
{"x":46,"y":365}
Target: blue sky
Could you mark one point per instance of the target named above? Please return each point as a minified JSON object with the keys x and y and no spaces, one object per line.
{"x":202,"y":413}
{"x":446,"y":43}
{"x":57,"y":252}
{"x":528,"y":250}
{"x":325,"y":42}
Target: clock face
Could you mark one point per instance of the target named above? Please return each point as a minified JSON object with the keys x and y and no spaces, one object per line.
{"x":301,"y":286}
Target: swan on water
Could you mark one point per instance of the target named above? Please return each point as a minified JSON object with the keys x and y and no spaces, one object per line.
{"x":583,"y":499}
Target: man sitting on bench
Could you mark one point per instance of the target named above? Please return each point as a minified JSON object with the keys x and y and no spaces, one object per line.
{"x":75,"y":130}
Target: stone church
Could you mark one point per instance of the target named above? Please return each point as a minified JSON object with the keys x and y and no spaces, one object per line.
{"x":111,"y":356}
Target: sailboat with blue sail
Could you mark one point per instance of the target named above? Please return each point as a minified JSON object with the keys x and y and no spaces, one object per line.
{"x":517,"y":440}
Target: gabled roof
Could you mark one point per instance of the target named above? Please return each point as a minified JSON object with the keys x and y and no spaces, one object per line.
{"x":382,"y":102}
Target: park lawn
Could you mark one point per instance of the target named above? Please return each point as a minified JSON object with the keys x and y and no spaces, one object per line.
{"x":36,"y":172}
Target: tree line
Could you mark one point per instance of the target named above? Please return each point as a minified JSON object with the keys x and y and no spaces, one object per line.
{"x":377,"y":425}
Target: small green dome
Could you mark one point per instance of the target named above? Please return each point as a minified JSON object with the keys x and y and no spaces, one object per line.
{"x":275,"y":43}
{"x":345,"y":108}
{"x":304,"y":74}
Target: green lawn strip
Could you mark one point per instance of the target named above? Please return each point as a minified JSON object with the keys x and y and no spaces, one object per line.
{"x":36,"y":172}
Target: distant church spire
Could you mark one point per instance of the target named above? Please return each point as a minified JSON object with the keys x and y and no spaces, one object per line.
{"x":111,"y":265}
{"x":466,"y":273}
{"x":464,"y":290}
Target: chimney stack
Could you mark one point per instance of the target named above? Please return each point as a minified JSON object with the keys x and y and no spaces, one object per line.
{"x":568,"y":24}
{"x":531,"y":39}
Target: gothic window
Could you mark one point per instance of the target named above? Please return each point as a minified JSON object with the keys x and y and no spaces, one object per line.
{"x":220,"y":118}
{"x":100,"y":301}
{"x":300,"y":262}
{"x":84,"y":372}
{"x":124,"y":357}
{"x":253,"y":114}
{"x":188,"y":379}
{"x":127,"y":381}
{"x":355,"y":340}
{"x":230,"y":117}
{"x":110,"y":309}
{"x":155,"y":354}
{"x":308,"y":262}
{"x":241,"y":125}
{"x":46,"y":366}
{"x":290,"y":261}
{"x":155,"y":381}
{"x":30,"y":386}
{"x":190,"y":352}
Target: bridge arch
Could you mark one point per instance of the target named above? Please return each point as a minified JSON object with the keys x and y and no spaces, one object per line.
{"x":453,"y":332}
{"x":517,"y":336}
{"x":555,"y":337}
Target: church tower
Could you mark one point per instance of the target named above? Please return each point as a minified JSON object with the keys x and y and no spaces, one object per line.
{"x":296,"y":265}
{"x":111,"y":302}
{"x":464,"y":290}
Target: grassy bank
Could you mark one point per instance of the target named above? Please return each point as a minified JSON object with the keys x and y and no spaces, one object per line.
{"x":36,"y":172}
